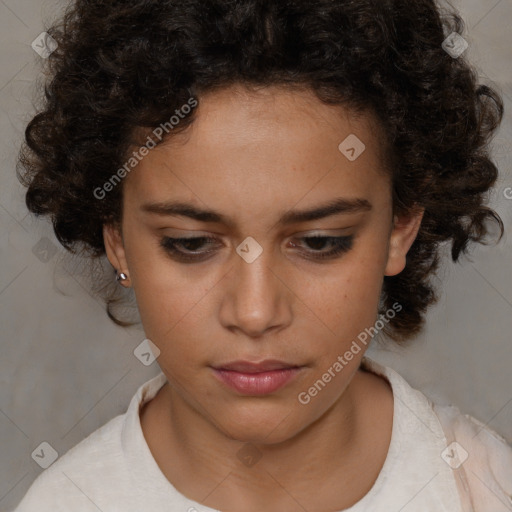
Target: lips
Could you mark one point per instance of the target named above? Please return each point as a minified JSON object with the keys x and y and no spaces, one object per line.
{"x":256,"y":378}
{"x":248,"y":367}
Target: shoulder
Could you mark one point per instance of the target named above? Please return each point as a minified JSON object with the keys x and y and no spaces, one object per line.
{"x":91,"y":464}
{"x":482,"y":459}
{"x":470,"y":459}
{"x":109,"y":466}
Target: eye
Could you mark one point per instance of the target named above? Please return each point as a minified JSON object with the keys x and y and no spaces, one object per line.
{"x":191,"y":246}
{"x":188,"y":250}
{"x":338,"y":244}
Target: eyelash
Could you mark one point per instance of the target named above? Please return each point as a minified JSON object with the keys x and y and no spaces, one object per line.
{"x":342,"y":244}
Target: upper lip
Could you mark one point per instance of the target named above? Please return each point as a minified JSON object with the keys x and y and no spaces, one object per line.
{"x":249,"y":367}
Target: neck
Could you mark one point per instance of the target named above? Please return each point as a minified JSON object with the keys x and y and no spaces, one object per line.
{"x":204,"y":462}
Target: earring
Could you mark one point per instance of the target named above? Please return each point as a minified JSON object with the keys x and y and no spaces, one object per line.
{"x":121,"y":277}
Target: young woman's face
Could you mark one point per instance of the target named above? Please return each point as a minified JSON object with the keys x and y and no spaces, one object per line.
{"x":256,"y":288}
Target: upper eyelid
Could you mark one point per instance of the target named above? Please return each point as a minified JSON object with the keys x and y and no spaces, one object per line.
{"x":341,"y":245}
{"x":215,"y":238}
{"x":209,"y":239}
{"x":328,"y":233}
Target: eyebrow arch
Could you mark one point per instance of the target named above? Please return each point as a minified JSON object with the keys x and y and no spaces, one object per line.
{"x":333,"y":207}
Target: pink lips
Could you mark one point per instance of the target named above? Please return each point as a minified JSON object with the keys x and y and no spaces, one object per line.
{"x":256,"y":378}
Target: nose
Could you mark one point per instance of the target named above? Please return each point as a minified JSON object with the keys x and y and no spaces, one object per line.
{"x":256,"y":299}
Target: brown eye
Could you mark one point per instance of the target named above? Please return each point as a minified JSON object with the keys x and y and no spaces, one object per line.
{"x":338,"y":244}
{"x":187,"y":249}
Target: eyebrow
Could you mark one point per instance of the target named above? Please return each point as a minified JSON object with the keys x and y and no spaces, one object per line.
{"x":333,"y":207}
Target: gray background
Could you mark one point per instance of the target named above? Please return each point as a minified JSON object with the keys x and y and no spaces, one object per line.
{"x":66,"y":369}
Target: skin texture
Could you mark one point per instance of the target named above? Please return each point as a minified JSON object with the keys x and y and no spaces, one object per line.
{"x":253,"y":156}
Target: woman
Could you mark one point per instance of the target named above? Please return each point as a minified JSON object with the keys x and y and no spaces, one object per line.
{"x":273,"y":181}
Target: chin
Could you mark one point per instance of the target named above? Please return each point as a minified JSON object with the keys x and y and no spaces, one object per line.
{"x":258,"y":429}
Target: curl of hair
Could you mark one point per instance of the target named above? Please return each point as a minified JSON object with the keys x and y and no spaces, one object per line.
{"x":125,"y":66}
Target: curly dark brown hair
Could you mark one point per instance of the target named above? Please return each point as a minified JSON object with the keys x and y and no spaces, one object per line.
{"x":122,"y":66}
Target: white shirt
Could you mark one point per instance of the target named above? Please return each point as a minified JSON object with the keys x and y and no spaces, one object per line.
{"x":113,"y":470}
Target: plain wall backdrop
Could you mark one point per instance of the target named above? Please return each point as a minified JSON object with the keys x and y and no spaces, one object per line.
{"x":66,"y":369}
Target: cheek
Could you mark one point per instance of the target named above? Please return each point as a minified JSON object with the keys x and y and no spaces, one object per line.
{"x":346,"y":298}
{"x":346,"y":310}
{"x":172,"y":298}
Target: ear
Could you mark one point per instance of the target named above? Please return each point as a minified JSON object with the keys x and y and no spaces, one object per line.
{"x":403,"y":234}
{"x":114,"y":247}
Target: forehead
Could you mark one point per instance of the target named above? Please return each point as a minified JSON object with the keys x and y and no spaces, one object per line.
{"x":252,"y":150}
{"x":237,"y":116}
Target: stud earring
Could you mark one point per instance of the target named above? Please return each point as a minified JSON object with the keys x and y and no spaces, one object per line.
{"x":121,"y":277}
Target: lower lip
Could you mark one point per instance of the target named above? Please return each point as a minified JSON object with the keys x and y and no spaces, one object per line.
{"x":257,"y":383}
